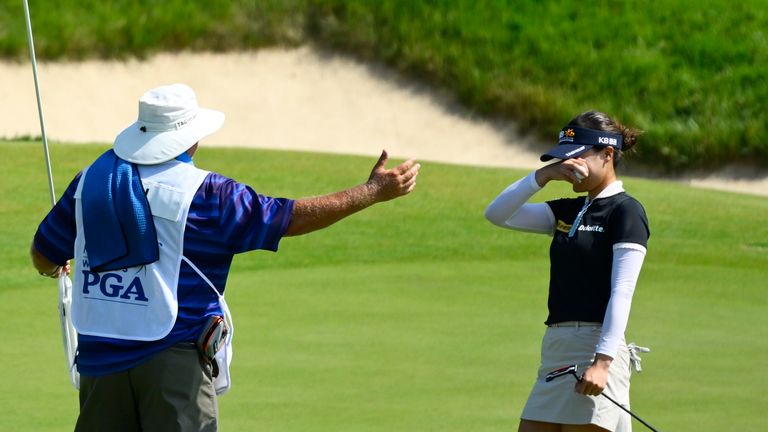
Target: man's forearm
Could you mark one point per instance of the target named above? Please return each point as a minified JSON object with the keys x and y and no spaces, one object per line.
{"x":311,"y":214}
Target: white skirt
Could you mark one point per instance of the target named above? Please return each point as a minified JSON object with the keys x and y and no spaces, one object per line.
{"x":556,"y":402}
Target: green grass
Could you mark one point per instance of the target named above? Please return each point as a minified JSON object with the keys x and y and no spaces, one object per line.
{"x":690,"y":73}
{"x":417,"y":315}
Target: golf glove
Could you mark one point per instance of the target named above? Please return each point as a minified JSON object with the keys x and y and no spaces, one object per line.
{"x":634,"y":357}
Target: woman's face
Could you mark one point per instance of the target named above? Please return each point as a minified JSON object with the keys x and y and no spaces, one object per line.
{"x":600,"y":164}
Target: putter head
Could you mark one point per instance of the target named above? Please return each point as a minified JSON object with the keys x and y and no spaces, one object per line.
{"x":560,"y":372}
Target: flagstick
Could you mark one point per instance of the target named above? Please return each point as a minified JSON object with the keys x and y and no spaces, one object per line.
{"x":68,"y":332}
{"x":31,"y":44}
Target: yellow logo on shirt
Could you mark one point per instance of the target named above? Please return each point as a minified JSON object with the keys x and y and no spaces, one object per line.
{"x":563,"y":227}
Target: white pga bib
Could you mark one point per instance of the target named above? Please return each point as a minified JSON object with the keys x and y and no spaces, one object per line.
{"x":138,"y":303}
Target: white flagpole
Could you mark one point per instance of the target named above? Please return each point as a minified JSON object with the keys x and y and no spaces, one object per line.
{"x":31,"y":44}
{"x":68,"y":333}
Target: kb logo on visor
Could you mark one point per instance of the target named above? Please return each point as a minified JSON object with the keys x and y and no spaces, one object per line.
{"x":607,"y":141}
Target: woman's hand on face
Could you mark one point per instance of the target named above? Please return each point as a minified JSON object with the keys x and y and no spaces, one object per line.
{"x":571,"y":170}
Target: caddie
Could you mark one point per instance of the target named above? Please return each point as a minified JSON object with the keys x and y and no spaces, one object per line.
{"x":152,"y":237}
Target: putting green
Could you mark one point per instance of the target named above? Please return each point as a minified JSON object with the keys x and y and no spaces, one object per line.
{"x":417,"y":314}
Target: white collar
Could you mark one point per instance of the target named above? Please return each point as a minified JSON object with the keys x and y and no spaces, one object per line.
{"x":612,"y":189}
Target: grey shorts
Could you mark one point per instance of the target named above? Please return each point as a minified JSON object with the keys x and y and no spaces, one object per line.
{"x":172,"y":391}
{"x":556,"y":402}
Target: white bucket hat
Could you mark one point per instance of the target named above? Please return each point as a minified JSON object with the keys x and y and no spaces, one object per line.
{"x":170,"y":122}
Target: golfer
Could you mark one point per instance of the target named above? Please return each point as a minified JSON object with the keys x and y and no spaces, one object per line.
{"x":598,"y":246}
{"x":153,"y":237}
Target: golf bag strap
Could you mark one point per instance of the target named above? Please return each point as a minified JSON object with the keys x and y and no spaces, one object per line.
{"x":202,"y":275}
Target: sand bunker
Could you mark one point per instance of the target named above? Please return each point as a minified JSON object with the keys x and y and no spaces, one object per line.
{"x":298,"y":99}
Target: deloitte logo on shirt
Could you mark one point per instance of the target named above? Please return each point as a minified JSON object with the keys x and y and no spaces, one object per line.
{"x":113,"y":286}
{"x":591,"y":228}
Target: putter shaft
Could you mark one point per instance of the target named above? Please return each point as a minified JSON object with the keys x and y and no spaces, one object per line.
{"x":619,"y":405}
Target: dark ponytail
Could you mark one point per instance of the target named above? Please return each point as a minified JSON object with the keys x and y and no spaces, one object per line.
{"x":600,"y":121}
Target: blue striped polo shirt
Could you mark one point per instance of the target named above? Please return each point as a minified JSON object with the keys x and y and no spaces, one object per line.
{"x":225,"y":218}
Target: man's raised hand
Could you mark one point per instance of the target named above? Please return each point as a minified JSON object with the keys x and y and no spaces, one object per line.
{"x":392,"y":183}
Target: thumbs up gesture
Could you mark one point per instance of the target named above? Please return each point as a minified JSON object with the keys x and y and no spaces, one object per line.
{"x":388,"y":184}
